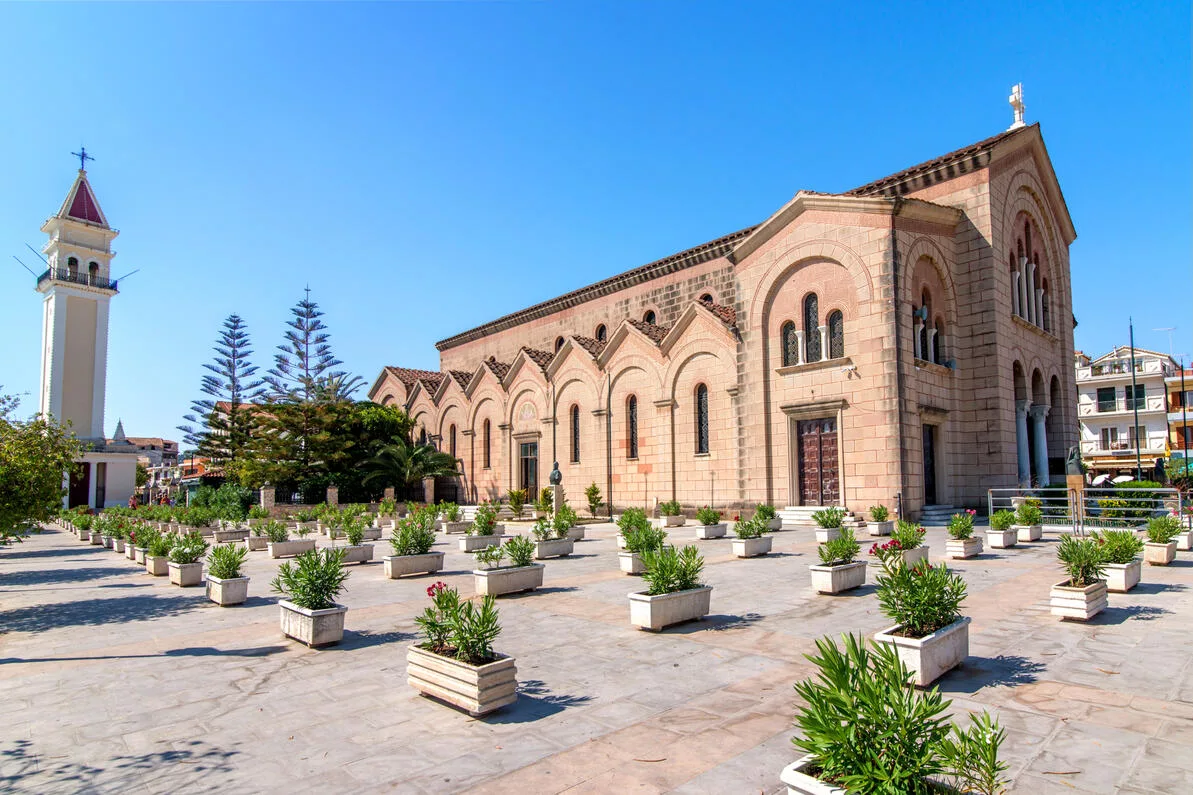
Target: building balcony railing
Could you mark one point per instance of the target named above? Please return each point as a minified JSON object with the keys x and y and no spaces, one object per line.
{"x":1111,"y":370}
{"x":1120,"y":448}
{"x":1178,"y":416}
{"x":76,"y":277}
{"x":1152,"y":403}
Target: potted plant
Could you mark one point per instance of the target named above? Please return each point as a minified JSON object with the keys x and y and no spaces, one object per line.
{"x":880,"y":521}
{"x":118,"y":535}
{"x":639,"y":540}
{"x":962,"y":543}
{"x":549,"y":542}
{"x":929,"y":634}
{"x":828,"y":521}
{"x":864,"y":729}
{"x":226,"y":585}
{"x":157,"y":554}
{"x":1027,"y":521}
{"x":1082,"y":595}
{"x":544,"y":504}
{"x":412,"y":550}
{"x":484,"y":531}
{"x":1160,"y":549}
{"x":130,"y":544}
{"x":675,"y":593}
{"x":144,"y":538}
{"x":567,"y":522}
{"x":595,"y":501}
{"x":1001,"y":534}
{"x":452,"y":519}
{"x":230,"y":533}
{"x":523,"y":574}
{"x":258,"y":538}
{"x":709,"y":524}
{"x":765,"y":513}
{"x":308,"y":518}
{"x":357,"y":550}
{"x":309,"y":586}
{"x":751,"y":541}
{"x":280,"y":544}
{"x":517,"y":500}
{"x":1120,"y":552}
{"x":671,"y":513}
{"x":630,"y":520}
{"x":907,"y":543}
{"x":186,"y":560}
{"x":839,"y":568}
{"x":387,"y":509}
{"x":258,"y":515}
{"x":456,"y":663}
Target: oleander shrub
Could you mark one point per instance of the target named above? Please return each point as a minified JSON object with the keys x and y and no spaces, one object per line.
{"x":565,"y":519}
{"x":922,"y":598}
{"x":1028,"y":513}
{"x":161,"y":544}
{"x":909,"y":535}
{"x":1082,"y":560}
{"x":519,"y":550}
{"x":517,"y":500}
{"x":829,"y":518}
{"x":632,"y":519}
{"x":459,"y":628}
{"x":765,"y":512}
{"x":1163,"y":529}
{"x":1118,"y":546}
{"x":224,"y":561}
{"x":706,"y":516}
{"x":961,"y":525}
{"x":840,"y":551}
{"x":276,"y":532}
{"x":412,"y":537}
{"x":753,"y":527}
{"x":879,"y":513}
{"x":669,"y":570}
{"x":670,"y":508}
{"x":485,"y":521}
{"x":450,"y":511}
{"x":190,"y":548}
{"x":644,"y":539}
{"x":313,"y":580}
{"x":1002,"y":520}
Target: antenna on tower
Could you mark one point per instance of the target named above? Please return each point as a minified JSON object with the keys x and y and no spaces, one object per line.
{"x":38,"y":253}
{"x":130,"y":273}
{"x":23,"y":265}
{"x":1169,"y":329}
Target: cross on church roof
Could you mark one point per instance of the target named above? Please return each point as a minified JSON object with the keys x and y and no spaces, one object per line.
{"x":1016,"y":100}
{"x":83,"y":157}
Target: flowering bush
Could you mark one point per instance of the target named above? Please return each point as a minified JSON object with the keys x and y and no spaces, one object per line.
{"x":909,"y":534}
{"x":1118,"y":546}
{"x":565,"y":519}
{"x":890,"y":551}
{"x":749,"y":528}
{"x":485,"y":521}
{"x":961,"y":525}
{"x":920,"y":599}
{"x":707,"y":516}
{"x":459,"y":629}
{"x":412,"y":537}
{"x":1163,"y":529}
{"x":190,"y":548}
{"x":840,"y":551}
{"x":829,"y":518}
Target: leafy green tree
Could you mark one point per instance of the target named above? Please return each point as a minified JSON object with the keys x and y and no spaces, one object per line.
{"x":405,"y":463}
{"x":142,"y":475}
{"x":35,"y":455}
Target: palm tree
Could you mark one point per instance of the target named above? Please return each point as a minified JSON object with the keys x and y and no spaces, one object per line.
{"x":407,"y":464}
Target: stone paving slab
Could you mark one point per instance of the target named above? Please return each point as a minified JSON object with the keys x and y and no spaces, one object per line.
{"x":115,"y":681}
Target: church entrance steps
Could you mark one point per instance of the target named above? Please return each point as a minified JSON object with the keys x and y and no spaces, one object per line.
{"x":801,"y":516}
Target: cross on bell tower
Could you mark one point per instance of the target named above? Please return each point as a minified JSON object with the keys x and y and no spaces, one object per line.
{"x":83,"y":157}
{"x":1016,"y":100}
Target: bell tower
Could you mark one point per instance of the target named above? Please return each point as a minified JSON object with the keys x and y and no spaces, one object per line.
{"x":77,"y":290}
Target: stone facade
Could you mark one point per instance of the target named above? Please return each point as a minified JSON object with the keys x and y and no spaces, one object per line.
{"x":863,"y":348}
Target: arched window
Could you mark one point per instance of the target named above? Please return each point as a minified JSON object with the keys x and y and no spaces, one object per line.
{"x":575,"y":413}
{"x":558,"y":343}
{"x":631,"y":413}
{"x":790,"y":344}
{"x":422,"y":436}
{"x":486,"y":447}
{"x":93,"y":270}
{"x":601,"y":333}
{"x":1047,"y":318}
{"x":811,"y":328}
{"x":706,"y":298}
{"x":451,"y":440}
{"x":649,"y":317}
{"x":72,"y":266}
{"x":836,"y":335}
{"x":938,"y":342}
{"x":701,"y":419}
{"x":923,"y":320}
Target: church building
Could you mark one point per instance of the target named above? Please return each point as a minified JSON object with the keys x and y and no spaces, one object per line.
{"x":907,"y":343}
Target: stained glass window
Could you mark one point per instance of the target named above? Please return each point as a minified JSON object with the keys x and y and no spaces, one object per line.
{"x":632,"y":430}
{"x":811,"y":328}
{"x":701,"y":419}
{"x":790,"y":344}
{"x":836,"y":335}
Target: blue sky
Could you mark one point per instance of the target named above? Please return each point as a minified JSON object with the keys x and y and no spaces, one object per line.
{"x":426,"y":167}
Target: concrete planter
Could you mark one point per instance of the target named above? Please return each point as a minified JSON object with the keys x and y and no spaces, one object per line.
{"x":281,"y":549}
{"x":401,"y":565}
{"x":512,"y":579}
{"x":186,"y":574}
{"x":774,"y":525}
{"x":931,"y":656}
{"x":118,"y":544}
{"x":672,"y":521}
{"x":107,"y":540}
{"x":707,"y":531}
{"x":139,"y":554}
{"x":130,"y":551}
{"x":157,"y":565}
{"x":257,"y":543}
{"x":476,"y":689}
{"x":631,"y":563}
{"x":656,"y":612}
{"x":914,"y":556}
{"x":553,"y":548}
{"x":959,"y":549}
{"x":1184,"y":542}
{"x":880,"y":528}
{"x":207,"y":531}
{"x":1028,"y":532}
{"x":361,"y":553}
{"x":95,"y":539}
{"x":456,"y":527}
{"x":1159,"y":554}
{"x":1002,"y":539}
{"x":85,"y":536}
{"x":313,"y":627}
{"x":1122,"y":577}
{"x":224,"y":536}
{"x":799,"y":780}
{"x":372,"y":534}
{"x":1080,"y":604}
{"x":827,"y":534}
{"x":576,"y":533}
{"x":752,"y":547}
{"x":620,"y":541}
{"x":473,"y":543}
{"x":837,"y":579}
{"x":229,"y":591}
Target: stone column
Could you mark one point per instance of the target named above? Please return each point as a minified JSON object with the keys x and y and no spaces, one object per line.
{"x":799,"y":341}
{"x":429,"y":491}
{"x":389,"y":492}
{"x":1021,"y":447}
{"x":824,"y":343}
{"x":268,"y":496}
{"x":1031,"y":291}
{"x":1015,"y":292}
{"x":1038,"y":415}
{"x":557,"y":499}
{"x":931,"y":354}
{"x":1023,"y":287}
{"x":919,"y":326}
{"x":1040,"y":307}
{"x":333,"y":495}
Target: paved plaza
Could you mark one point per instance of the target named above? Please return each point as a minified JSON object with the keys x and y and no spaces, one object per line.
{"x":115,"y":681}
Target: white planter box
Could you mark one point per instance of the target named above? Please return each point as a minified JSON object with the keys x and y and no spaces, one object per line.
{"x":372,"y":534}
{"x":400,"y":565}
{"x":230,"y":591}
{"x":1159,"y":554}
{"x":139,"y":554}
{"x":312,"y":627}
{"x":257,"y":543}
{"x":620,"y":541}
{"x":95,"y":539}
{"x":880,"y":528}
{"x":476,"y":689}
{"x":827,"y":534}
{"x":230,"y":535}
{"x":186,"y":574}
{"x":751,"y":547}
{"x":1184,"y":542}
{"x":933,"y":655}
{"x":1080,"y":604}
{"x":158,"y":566}
{"x":656,"y":612}
{"x":800,"y":782}
{"x":130,"y":551}
{"x":281,"y":549}
{"x":512,"y":579}
{"x":1002,"y":539}
{"x":963,"y":548}
{"x":456,"y":527}
{"x":775,"y":524}
{"x":914,"y":556}
{"x":836,"y":579}
{"x":576,"y":532}
{"x":631,"y":563}
{"x":108,"y":541}
{"x":362,"y":553}
{"x":707,"y":531}
{"x":1122,"y":577}
{"x":1028,"y":532}
{"x":673,"y":521}
{"x":473,"y":543}
{"x":118,"y":544}
{"x":553,"y":548}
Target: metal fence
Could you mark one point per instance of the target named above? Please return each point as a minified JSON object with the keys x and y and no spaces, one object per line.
{"x":1094,"y":508}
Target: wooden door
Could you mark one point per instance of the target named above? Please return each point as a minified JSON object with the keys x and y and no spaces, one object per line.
{"x":929,"y":464}
{"x":80,"y":486}
{"x":819,"y":476}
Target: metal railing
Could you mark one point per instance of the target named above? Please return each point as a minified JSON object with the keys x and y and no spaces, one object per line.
{"x":1094,"y":508}
{"x":77,"y":277}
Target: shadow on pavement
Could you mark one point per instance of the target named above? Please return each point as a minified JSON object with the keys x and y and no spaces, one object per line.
{"x":98,"y":612}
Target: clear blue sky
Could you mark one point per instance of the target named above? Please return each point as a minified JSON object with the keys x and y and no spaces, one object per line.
{"x":426,"y":167}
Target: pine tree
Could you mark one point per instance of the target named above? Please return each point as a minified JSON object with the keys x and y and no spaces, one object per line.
{"x":221,"y":425}
{"x":303,"y":369}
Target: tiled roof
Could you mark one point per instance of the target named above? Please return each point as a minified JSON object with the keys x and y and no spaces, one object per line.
{"x":539,"y":357}
{"x":591,"y":345}
{"x":410,"y":377}
{"x":727,"y":314}
{"x":499,"y":368}
{"x":84,"y":207}
{"x":431,"y":381}
{"x":654,"y":332}
{"x":959,"y":161}
{"x":462,"y":378}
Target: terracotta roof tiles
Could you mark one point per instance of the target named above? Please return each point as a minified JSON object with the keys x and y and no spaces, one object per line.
{"x":540,"y":357}
{"x":593,"y":346}
{"x":655,"y":332}
{"x":410,"y":377}
{"x":499,"y":369}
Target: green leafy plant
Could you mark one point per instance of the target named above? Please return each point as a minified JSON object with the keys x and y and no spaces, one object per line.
{"x":595,"y":501}
{"x":450,"y":511}
{"x":161,"y":544}
{"x":749,"y":528}
{"x":545,"y":501}
{"x":307,"y":515}
{"x":1028,"y":513}
{"x":879,"y":513}
{"x":670,"y":508}
{"x":257,"y":512}
{"x":565,"y":519}
{"x":922,"y":598}
{"x":970,"y":756}
{"x":458,"y":628}
{"x":829,"y":518}
{"x":632,"y":519}
{"x":413,"y":537}
{"x":1163,"y":529}
{"x":489,"y":557}
{"x":707,"y":516}
{"x":354,"y":530}
{"x":669,"y":570}
{"x":313,"y":580}
{"x":542,"y":530}
{"x":643,"y":539}
{"x":1001,"y":521}
{"x":144,"y":537}
{"x":1082,"y":560}
{"x":517,"y":499}
{"x":520,"y":551}
{"x":485,"y":521}
{"x":909,"y":535}
{"x":841,"y":550}
{"x":225,"y":560}
{"x":1118,"y":546}
{"x":190,"y":548}
{"x":275,"y":532}
{"x":765,"y":512}
{"x":387,"y":507}
{"x":961,"y":525}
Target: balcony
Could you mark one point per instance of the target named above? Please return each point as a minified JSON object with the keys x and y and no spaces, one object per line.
{"x":1150,"y":404}
{"x":1122,"y":369}
{"x":1177,"y":416}
{"x":1120,"y":448}
{"x":76,"y":277}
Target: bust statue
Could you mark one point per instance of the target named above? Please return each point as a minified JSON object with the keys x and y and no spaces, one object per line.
{"x":556,"y":477}
{"x":1073,"y":461}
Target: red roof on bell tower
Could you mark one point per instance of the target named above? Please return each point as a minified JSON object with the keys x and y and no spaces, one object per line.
{"x":80,"y":204}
